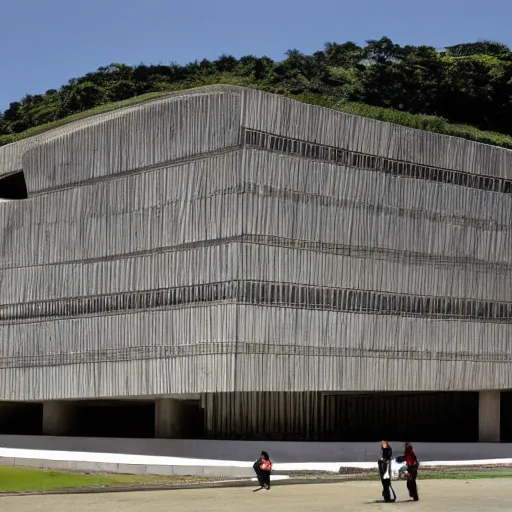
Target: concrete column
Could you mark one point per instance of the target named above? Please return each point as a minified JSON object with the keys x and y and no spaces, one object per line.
{"x":489,"y":424}
{"x":170,"y":420}
{"x":57,"y":418}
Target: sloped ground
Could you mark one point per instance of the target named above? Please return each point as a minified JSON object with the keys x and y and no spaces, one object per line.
{"x":489,"y":495}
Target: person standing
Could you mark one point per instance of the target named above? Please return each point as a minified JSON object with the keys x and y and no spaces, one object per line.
{"x":263,"y":467}
{"x":384,"y":463}
{"x":412,"y":469}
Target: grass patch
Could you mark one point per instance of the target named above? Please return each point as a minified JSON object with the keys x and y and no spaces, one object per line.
{"x":419,"y":121}
{"x":466,"y":475}
{"x":16,"y":479}
{"x":440,"y":473}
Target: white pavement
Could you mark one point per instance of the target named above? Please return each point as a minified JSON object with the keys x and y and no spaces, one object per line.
{"x":127,"y":460}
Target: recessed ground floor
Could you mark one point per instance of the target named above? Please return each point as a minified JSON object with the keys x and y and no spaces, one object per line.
{"x":484,"y":416}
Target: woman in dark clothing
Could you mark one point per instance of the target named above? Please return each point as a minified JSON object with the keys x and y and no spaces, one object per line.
{"x":412,"y":469}
{"x":384,"y":462}
{"x":263,"y":468}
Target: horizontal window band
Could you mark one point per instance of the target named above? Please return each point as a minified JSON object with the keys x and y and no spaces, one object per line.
{"x":369,"y":162}
{"x":229,"y":348}
{"x":263,"y":293}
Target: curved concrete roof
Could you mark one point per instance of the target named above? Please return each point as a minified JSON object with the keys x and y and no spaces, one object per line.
{"x":173,"y":127}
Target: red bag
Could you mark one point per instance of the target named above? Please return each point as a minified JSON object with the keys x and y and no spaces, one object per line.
{"x":266,"y":465}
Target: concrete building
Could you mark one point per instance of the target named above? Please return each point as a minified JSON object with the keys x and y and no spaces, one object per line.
{"x":225,"y":263}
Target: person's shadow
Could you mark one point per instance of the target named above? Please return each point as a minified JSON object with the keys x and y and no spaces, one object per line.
{"x":382,"y":502}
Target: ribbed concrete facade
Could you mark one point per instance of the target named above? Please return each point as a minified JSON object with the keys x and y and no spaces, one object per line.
{"x":225,"y":240}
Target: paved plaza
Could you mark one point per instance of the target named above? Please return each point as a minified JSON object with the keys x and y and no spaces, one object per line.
{"x":435,"y":495}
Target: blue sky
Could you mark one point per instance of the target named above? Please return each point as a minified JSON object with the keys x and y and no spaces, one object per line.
{"x":46,"y":42}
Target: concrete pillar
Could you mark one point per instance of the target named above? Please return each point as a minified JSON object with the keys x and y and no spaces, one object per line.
{"x":57,"y":418}
{"x":489,"y":423}
{"x":170,"y":420}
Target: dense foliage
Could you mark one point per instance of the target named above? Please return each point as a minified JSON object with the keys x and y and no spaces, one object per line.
{"x":464,"y":90}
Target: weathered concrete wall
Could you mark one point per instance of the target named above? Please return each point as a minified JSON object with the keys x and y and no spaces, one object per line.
{"x":11,"y":155}
{"x":230,"y":240}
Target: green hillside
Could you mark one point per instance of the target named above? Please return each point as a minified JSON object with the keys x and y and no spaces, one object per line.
{"x":464,"y":90}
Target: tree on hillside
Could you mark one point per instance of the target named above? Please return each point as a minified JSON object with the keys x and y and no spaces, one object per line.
{"x":479,"y":48}
{"x":83,"y":96}
{"x":468,"y":83}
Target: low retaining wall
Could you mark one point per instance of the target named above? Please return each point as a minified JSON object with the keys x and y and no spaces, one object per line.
{"x":127,"y":467}
{"x":280,"y":451}
{"x":222,"y":459}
